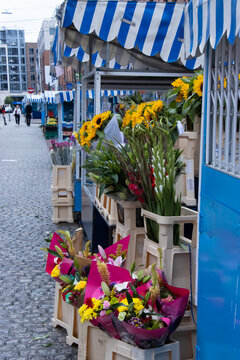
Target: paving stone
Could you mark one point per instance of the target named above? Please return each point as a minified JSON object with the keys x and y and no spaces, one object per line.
{"x":27,"y":292}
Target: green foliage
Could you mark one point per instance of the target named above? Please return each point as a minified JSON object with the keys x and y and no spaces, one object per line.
{"x":8,"y":100}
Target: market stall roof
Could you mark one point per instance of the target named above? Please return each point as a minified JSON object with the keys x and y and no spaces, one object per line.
{"x":210,"y":20}
{"x":153,"y":29}
{"x":33,"y":98}
{"x":56,"y":97}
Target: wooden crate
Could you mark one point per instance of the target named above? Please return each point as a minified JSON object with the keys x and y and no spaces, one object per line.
{"x":129,"y":223}
{"x":174,"y":260}
{"x":186,"y":334}
{"x":62,"y":196}
{"x":107,"y":207}
{"x":119,"y":350}
{"x":62,"y":177}
{"x":63,"y":312}
{"x":63,"y":213}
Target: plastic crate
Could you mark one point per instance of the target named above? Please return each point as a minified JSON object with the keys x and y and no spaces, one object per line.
{"x":119,"y":350}
{"x":62,"y":213}
{"x":130,"y":222}
{"x":62,"y":177}
{"x":174,"y":260}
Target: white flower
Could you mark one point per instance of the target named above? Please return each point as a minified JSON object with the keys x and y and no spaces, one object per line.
{"x":118,"y":261}
{"x":121,"y":286}
{"x":102,"y":252}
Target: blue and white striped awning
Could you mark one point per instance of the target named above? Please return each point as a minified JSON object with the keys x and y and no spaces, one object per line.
{"x":150,"y":27}
{"x":210,"y":20}
{"x":107,"y":93}
{"x":56,"y":97}
{"x":33,"y":98}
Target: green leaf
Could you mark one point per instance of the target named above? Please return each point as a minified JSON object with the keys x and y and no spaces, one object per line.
{"x":54,"y":253}
{"x":41,"y":337}
{"x":117,"y":305}
{"x":156,"y":324}
{"x":115,"y":177}
{"x":48,"y":240}
{"x":147,"y":296}
{"x":131,"y":307}
{"x":101,"y":190}
{"x":76,"y":263}
{"x":48,"y":344}
{"x":66,"y":279}
{"x":146,"y":279}
{"x":105,"y":288}
{"x":129,"y":298}
{"x":140,"y":275}
{"x":134,"y":290}
{"x":132,"y":268}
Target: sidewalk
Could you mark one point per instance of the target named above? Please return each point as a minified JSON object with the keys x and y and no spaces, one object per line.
{"x":27,"y":292}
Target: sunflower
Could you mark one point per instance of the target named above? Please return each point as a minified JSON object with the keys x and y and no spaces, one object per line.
{"x":157,"y":106}
{"x":97,"y":121}
{"x":197,"y":85}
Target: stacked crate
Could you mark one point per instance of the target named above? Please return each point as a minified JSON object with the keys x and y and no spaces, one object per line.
{"x":62,"y":199}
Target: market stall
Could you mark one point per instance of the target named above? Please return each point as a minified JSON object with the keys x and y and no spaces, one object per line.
{"x":36,"y":101}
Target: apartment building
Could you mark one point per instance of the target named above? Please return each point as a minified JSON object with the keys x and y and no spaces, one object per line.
{"x":13,"y":71}
{"x":31,"y":63}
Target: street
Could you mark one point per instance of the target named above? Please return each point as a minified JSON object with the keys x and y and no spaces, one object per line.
{"x":27,"y":292}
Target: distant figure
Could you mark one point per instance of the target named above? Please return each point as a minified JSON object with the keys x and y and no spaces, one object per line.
{"x":17,"y":113}
{"x":3,"y":114}
{"x":28,"y":113}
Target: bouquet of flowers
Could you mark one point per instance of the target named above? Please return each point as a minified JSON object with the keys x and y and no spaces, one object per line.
{"x":92,"y":130}
{"x":61,"y":153}
{"x":71,"y":267}
{"x":128,"y":312}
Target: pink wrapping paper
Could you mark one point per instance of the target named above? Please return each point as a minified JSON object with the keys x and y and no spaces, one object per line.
{"x":105,"y":323}
{"x":50,"y":259}
{"x":143,"y":338}
{"x":117,"y":275}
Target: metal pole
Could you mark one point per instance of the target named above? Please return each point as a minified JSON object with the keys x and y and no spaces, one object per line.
{"x":97,"y":93}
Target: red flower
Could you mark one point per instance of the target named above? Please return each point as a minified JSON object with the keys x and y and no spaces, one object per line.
{"x":132,"y":187}
{"x":141,"y":200}
{"x":89,"y":302}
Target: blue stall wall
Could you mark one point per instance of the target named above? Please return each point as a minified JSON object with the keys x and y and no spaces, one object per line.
{"x":218,"y":331}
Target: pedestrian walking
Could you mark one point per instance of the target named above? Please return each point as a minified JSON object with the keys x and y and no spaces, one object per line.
{"x":3,"y":114}
{"x":17,"y":113}
{"x":28,"y":113}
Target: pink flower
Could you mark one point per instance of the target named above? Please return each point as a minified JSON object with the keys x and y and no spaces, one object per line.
{"x":103,"y":312}
{"x":106,"y":305}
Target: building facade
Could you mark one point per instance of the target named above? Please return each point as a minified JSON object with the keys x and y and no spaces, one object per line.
{"x":45,"y":38}
{"x":13,"y":71}
{"x":31,"y":63}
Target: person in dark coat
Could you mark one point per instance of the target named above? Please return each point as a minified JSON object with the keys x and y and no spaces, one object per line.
{"x":28,"y":113}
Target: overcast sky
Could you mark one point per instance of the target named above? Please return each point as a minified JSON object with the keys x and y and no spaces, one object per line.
{"x":27,"y":15}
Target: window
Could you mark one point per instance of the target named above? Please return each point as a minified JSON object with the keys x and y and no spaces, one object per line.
{"x":24,"y":86}
{"x":33,"y":85}
{"x":22,"y":60}
{"x":3,"y":77}
{"x":12,"y":51}
{"x":23,"y":69}
{"x":31,"y":51}
{"x":15,"y":87}
{"x":2,"y":59}
{"x":3,"y":68}
{"x":32,"y":60}
{"x":4,"y":86}
{"x":22,"y":52}
{"x":32,"y":77}
{"x":51,"y":31}
{"x":2,"y":51}
{"x":14,"y":69}
{"x":14,"y":77}
{"x":32,"y":68}
{"x":23,"y":78}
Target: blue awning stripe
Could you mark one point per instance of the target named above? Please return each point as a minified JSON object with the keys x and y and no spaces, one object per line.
{"x":210,"y":20}
{"x":131,"y":23}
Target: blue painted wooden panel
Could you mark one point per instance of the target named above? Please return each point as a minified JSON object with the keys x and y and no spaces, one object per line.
{"x":218,"y":333}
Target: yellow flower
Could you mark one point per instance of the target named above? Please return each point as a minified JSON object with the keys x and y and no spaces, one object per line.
{"x":123,"y":308}
{"x":157,"y":106}
{"x":80,"y":285}
{"x":96,"y":304}
{"x":197,"y":85}
{"x":97,"y":121}
{"x":56,"y":271}
{"x":183,"y":89}
{"x":138,"y":305}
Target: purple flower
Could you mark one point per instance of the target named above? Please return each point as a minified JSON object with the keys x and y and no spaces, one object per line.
{"x":135,"y":322}
{"x":103,"y":312}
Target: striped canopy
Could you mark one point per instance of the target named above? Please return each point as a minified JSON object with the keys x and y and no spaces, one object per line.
{"x":56,"y":97}
{"x":33,"y":98}
{"x":210,"y":20}
{"x":153,"y":29}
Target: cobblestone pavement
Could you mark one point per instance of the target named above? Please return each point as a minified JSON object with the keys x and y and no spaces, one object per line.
{"x":27,"y":292}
